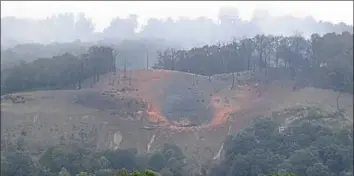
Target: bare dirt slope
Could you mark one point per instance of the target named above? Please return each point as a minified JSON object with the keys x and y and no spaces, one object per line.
{"x":153,"y":107}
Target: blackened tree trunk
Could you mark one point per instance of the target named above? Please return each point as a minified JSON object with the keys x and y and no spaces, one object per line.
{"x":260,"y":61}
{"x":81,"y":73}
{"x":125,"y":69}
{"x":193,"y":79}
{"x":94,"y":75}
{"x":233,"y":80}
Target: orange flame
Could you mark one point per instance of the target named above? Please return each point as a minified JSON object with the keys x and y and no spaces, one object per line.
{"x":145,"y":80}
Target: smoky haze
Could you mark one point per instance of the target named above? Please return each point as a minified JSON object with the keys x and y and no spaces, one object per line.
{"x":109,"y":88}
{"x":185,"y":31}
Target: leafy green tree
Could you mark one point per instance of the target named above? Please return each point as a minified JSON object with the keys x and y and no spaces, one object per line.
{"x":283,"y":174}
{"x":157,"y":161}
{"x":101,"y":163}
{"x":121,"y":159}
{"x":71,"y":157}
{"x":82,"y":174}
{"x":166,"y":172}
{"x":64,"y":172}
{"x":104,"y":172}
{"x":318,"y":169}
{"x":18,"y":163}
{"x":122,"y":172}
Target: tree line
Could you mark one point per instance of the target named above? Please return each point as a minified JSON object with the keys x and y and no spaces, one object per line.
{"x":321,"y":61}
{"x":133,"y":51}
{"x":58,"y":72}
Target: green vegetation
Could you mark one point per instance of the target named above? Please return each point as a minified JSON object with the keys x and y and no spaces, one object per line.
{"x":283,"y":174}
{"x":309,"y":145}
{"x":70,"y":158}
{"x":123,"y":172}
{"x":321,"y":61}
{"x":58,"y":72}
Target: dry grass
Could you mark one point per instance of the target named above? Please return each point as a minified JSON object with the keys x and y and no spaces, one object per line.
{"x":109,"y":108}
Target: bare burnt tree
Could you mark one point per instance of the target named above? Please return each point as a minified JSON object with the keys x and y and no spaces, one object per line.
{"x":259,"y":47}
{"x":193,"y":79}
{"x":125,"y":69}
{"x":80,"y":73}
{"x":130,"y":77}
{"x":173,"y":58}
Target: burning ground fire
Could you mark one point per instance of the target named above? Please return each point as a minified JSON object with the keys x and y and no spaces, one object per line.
{"x":222,"y":112}
{"x":144,"y":81}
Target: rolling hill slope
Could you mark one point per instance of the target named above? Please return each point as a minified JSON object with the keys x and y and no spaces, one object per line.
{"x":153,"y":107}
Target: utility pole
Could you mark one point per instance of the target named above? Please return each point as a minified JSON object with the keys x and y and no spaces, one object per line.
{"x":147,"y":60}
{"x":193,"y":79}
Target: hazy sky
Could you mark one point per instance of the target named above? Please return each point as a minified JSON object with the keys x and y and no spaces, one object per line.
{"x":102,"y":12}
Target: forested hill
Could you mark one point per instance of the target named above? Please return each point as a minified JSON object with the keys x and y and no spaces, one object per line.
{"x":58,"y":72}
{"x":321,"y":61}
{"x":132,"y":51}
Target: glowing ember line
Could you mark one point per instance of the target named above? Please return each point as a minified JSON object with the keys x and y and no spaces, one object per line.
{"x":144,"y":80}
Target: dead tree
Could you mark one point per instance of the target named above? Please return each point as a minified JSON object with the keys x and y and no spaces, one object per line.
{"x":118,"y":80}
{"x":95,"y":75}
{"x":125,"y":69}
{"x":233,"y":80}
{"x":130,"y":78}
{"x":346,"y":82}
{"x":196,"y":79}
{"x":80,"y":75}
{"x":337,"y":100}
{"x":173,"y":59}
